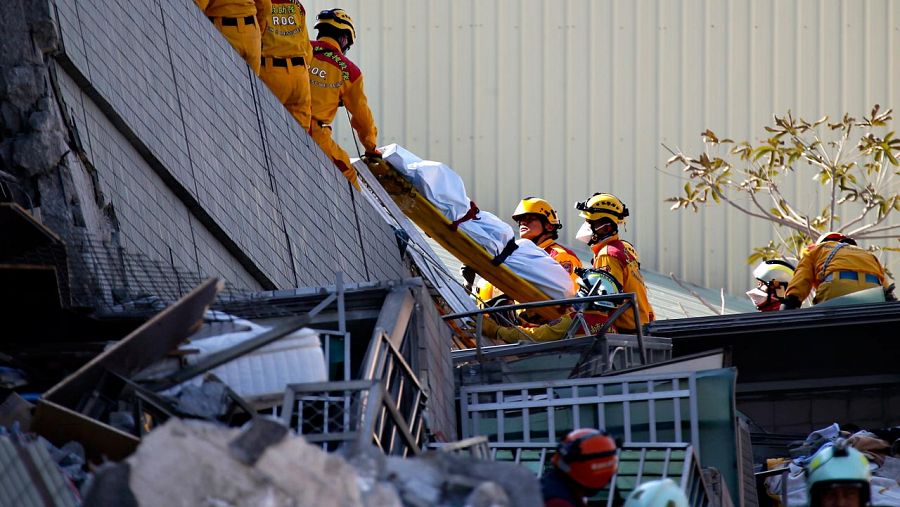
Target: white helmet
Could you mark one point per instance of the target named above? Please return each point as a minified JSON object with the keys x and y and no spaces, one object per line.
{"x":775,"y":269}
{"x":662,"y":493}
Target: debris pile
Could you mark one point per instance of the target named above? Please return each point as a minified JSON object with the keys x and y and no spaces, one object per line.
{"x":881,"y":448}
{"x":188,"y":463}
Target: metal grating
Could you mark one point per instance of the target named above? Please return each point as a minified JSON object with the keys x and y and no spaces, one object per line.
{"x":332,"y":413}
{"x":643,"y":410}
{"x":358,"y":412}
{"x":104,"y":277}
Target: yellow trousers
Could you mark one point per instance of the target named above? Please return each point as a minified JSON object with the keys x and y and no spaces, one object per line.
{"x":840,"y":287}
{"x":322,"y":136}
{"x":245,"y":39}
{"x":291,"y":85}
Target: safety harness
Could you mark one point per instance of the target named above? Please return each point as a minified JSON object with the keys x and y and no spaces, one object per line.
{"x":828,"y":261}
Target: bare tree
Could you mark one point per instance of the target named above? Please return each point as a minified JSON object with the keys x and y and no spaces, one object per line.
{"x":858,"y":175}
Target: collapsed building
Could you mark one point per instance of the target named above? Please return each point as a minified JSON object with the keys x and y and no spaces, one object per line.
{"x":140,"y":170}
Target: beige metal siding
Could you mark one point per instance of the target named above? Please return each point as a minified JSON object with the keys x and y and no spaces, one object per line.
{"x":566,"y":97}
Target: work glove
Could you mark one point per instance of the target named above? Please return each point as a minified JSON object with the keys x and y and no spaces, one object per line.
{"x":790,"y":303}
{"x":468,"y":275}
{"x":489,"y":328}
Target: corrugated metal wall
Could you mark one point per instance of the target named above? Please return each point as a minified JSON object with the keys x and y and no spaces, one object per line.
{"x":564,"y":98}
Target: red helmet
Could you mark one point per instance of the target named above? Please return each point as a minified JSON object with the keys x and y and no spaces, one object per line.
{"x":588,"y":456}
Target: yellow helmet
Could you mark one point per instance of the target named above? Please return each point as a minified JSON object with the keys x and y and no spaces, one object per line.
{"x":537,"y":206}
{"x":485,"y":291}
{"x":338,"y":18}
{"x":603,"y":206}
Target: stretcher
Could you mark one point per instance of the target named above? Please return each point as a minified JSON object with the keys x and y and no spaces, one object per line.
{"x":424,"y":214}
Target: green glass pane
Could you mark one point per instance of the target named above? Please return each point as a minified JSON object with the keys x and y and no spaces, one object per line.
{"x":640,"y":421}
{"x":614,"y":419}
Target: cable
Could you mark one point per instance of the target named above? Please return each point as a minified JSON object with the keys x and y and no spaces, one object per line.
{"x":353,"y":132}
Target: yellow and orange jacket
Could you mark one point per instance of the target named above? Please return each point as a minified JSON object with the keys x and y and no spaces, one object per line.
{"x":286,"y":35}
{"x":237,"y":9}
{"x":565,"y":257}
{"x":809,"y":273}
{"x":335,"y":80}
{"x":611,"y":256}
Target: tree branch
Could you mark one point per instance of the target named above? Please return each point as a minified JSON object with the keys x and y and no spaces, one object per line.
{"x":869,"y":227}
{"x":772,"y":218}
{"x":869,"y":207}
{"x":835,"y":164}
{"x":779,"y":199}
{"x":868,"y":232}
{"x":690,"y":291}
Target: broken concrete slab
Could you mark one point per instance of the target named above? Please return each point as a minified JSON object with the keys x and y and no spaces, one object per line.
{"x":253,"y":442}
{"x":192,"y":460}
{"x":455,"y":477}
{"x":189,"y":462}
{"x":110,"y":487}
{"x":488,"y":494}
{"x":419,"y":484}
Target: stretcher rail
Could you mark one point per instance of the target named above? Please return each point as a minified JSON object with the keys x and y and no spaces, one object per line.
{"x":626,"y":302}
{"x":421,"y":211}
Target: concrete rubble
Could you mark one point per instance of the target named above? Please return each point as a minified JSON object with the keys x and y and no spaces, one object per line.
{"x":195,"y":463}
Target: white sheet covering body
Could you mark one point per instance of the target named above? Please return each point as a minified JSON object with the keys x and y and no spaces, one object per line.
{"x":446,"y":191}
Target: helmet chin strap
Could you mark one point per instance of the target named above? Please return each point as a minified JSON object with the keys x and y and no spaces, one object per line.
{"x":606,"y":230}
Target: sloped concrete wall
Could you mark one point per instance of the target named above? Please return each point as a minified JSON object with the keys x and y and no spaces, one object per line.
{"x":199,"y":163}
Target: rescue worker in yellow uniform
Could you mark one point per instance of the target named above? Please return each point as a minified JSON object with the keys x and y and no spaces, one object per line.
{"x":242,"y":22}
{"x":595,"y":315}
{"x":285,"y":53}
{"x":834,"y":266}
{"x":334,"y":81}
{"x":539,"y":222}
{"x":603,"y":214}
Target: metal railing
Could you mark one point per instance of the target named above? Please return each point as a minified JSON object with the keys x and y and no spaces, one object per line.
{"x":557,"y":359}
{"x":626,"y":302}
{"x":402,"y":391}
{"x":643,"y":410}
{"x":678,"y":462}
{"x":356,"y":412}
{"x":386,"y":406}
